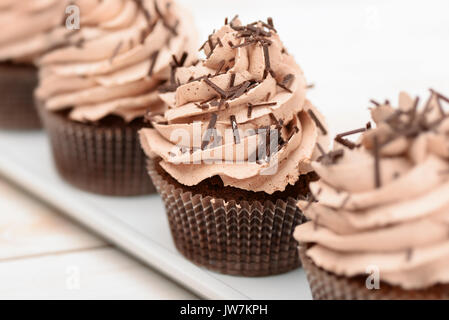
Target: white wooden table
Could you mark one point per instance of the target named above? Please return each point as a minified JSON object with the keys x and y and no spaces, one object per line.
{"x":46,"y":256}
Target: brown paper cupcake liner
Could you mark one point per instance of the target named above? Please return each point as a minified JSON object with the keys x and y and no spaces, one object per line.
{"x":232,"y":237}
{"x":17,"y":83}
{"x":100,"y":158}
{"x":328,"y":286}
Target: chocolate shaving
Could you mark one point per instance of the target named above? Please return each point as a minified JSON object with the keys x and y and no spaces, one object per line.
{"x":288,"y":79}
{"x":409,"y":254}
{"x":275,"y":120}
{"x":377,"y":177}
{"x":80,"y":43}
{"x":241,"y":90}
{"x":313,"y":198}
{"x":347,"y":143}
{"x":284,"y":87}
{"x":235,"y":130}
{"x":268,"y":104}
{"x":181,"y":61}
{"x":315,"y":223}
{"x":375,"y":102}
{"x":266,"y":53}
{"x":331,"y":157}
{"x":203,"y":46}
{"x":345,"y":202}
{"x":250,"y":110}
{"x":143,"y":36}
{"x":321,"y":149}
{"x":317,"y":121}
{"x":220,"y":67}
{"x":244,"y":44}
{"x":350,"y":133}
{"x":216,"y":88}
{"x":153,"y":58}
{"x":210,"y":43}
{"x":210,"y":127}
{"x":116,"y":51}
{"x":439,"y":98}
{"x":232,"y":81}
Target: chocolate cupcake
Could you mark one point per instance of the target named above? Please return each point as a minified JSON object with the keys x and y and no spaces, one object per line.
{"x":380,"y":227}
{"x":232,"y":153}
{"x":94,"y":92}
{"x":27,"y":31}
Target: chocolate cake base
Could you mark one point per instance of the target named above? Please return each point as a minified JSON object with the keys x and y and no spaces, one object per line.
{"x":103,"y":158}
{"x":329,"y":286}
{"x":17,"y":83}
{"x":229,"y":230}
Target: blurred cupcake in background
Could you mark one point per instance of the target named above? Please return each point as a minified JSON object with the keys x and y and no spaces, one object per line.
{"x":27,"y":30}
{"x":232,"y":153}
{"x":94,"y":92}
{"x":379,"y":228}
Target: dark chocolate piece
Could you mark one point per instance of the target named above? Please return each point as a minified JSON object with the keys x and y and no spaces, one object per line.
{"x":317,"y":121}
{"x":235,"y":130}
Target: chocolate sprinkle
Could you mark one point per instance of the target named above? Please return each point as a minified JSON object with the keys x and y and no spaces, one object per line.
{"x":317,"y":121}
{"x":235,"y":130}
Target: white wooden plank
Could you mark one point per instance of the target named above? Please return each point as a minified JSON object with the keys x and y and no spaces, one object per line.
{"x":92,"y":274}
{"x":28,"y":227}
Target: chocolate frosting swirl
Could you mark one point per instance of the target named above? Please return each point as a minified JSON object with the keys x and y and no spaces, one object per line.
{"x":115,"y":62}
{"x":383,"y":202}
{"x":28,"y":28}
{"x":248,"y":82}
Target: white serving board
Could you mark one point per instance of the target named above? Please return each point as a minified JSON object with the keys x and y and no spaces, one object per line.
{"x":138,"y":225}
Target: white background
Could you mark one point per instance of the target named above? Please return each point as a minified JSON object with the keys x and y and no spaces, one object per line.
{"x":353,"y":51}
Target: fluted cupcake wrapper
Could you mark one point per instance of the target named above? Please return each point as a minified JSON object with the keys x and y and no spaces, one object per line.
{"x":17,"y":83}
{"x":237,"y":238}
{"x":106,"y":160}
{"x":328,"y":286}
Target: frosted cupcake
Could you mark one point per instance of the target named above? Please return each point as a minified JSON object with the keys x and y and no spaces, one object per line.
{"x":94,"y":92}
{"x":232,"y":152}
{"x":380,"y":227}
{"x":27,"y":31}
